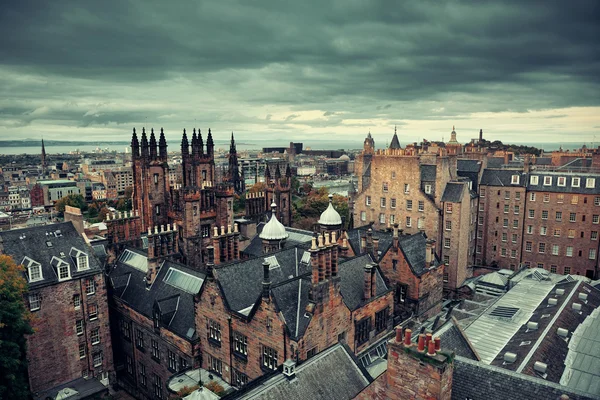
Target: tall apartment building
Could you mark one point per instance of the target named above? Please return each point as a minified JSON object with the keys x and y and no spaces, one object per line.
{"x":71,"y":346}
{"x":544,"y":219}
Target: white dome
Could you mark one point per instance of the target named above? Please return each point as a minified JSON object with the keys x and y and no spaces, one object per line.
{"x":273,"y":230}
{"x":330,"y":216}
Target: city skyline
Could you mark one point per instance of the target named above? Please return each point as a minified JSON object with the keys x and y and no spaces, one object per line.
{"x":524,"y":73}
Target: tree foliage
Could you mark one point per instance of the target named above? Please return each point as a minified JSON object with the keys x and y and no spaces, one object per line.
{"x":73,"y":200}
{"x":14,"y":325}
{"x":308,"y":209}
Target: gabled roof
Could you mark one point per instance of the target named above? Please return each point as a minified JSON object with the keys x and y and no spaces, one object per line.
{"x":44,"y":243}
{"x":467,"y":165}
{"x":352,"y":281}
{"x":291,"y":299}
{"x":502,"y":177}
{"x":453,"y":338}
{"x":453,"y":192}
{"x":428,"y":172}
{"x":413,"y":248}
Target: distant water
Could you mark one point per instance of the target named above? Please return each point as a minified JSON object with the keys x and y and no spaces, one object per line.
{"x":244,"y":145}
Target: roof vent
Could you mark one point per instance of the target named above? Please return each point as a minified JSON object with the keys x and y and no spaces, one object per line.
{"x":576,"y":306}
{"x":541,"y":368}
{"x":532,"y":326}
{"x":583,"y":296}
{"x":510,"y":357}
{"x":525,"y":343}
{"x":552,"y":301}
{"x":562,"y":332}
{"x":289,"y":369}
{"x":560,"y":292}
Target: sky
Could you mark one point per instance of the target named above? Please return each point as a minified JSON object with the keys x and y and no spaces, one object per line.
{"x":523,"y":71}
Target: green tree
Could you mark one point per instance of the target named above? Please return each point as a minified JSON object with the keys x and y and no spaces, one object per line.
{"x":73,"y":200}
{"x":14,"y":325}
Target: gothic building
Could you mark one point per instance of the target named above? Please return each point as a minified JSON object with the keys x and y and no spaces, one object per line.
{"x":278,"y":191}
{"x":234,"y":172}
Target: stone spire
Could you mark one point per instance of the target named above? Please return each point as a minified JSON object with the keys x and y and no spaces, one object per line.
{"x":153,"y":145}
{"x":135,"y":145}
{"x":185,"y":145}
{"x":144,"y":144}
{"x":395,"y":142}
{"x":44,"y":163}
{"x":162,"y":146}
{"x":210,"y":145}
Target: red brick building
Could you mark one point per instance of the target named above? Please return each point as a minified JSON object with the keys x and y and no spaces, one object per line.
{"x":71,"y":346}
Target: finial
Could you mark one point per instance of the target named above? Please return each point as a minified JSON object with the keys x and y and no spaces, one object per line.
{"x":330,"y":197}
{"x":161,"y":130}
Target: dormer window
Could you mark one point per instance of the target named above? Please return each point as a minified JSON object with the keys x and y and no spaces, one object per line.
{"x":34,"y":269}
{"x":562,"y":181}
{"x":80,"y":258}
{"x":534,"y":180}
{"x":575,"y":182}
{"x":62,"y":268}
{"x":590,"y":183}
{"x":514,"y":180}
{"x":547,"y":181}
{"x":156,"y":318}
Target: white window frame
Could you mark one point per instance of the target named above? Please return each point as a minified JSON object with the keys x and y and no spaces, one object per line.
{"x":575,"y":181}
{"x":534,"y":180}
{"x":562,"y":181}
{"x":547,"y":181}
{"x":368,"y":200}
{"x":514,"y":180}
{"x":35,"y":301}
{"x":95,"y":336}
{"x":590,"y":183}
{"x":428,"y":189}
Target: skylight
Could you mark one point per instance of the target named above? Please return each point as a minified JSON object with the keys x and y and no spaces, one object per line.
{"x":184,"y":281}
{"x":273,"y":263}
{"x":504,"y":312}
{"x":305,"y":258}
{"x":134,"y":260}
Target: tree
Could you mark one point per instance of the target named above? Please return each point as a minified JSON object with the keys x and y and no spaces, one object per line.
{"x":14,"y":325}
{"x":73,"y":200}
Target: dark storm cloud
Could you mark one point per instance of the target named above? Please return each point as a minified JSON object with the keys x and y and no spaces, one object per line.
{"x":449,"y":57}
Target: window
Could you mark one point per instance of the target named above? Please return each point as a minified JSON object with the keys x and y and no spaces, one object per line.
{"x":90,"y":286}
{"x":597,"y":201}
{"x":76,"y":301}
{"x":240,"y":344}
{"x":382,"y":218}
{"x":446,"y":260}
{"x":393,"y":202}
{"x":381,"y":320}
{"x":544,"y":214}
{"x":428,"y":189}
{"x":385,"y":187}
{"x":517,"y":209}
{"x":560,"y":198}
{"x":553,"y":269}
{"x":505,"y":223}
{"x":482,"y":192}
{"x":269,"y":358}
{"x":448,"y":225}
{"x":35,"y":301}
{"x":93,"y":311}
{"x":392,"y":219}
{"x":239,"y":379}
{"x":567,"y":270}
{"x":447,"y":243}
{"x":557,"y":232}
{"x":479,"y":234}
{"x":95,"y":336}
{"x":363,"y":215}
{"x":139,"y":339}
{"x":546,"y":197}
{"x":532,"y":196}
{"x":555,"y":249}
{"x":79,"y":327}
{"x":157,"y":385}
{"x":575,"y":182}
{"x":530,"y":229}
{"x":572,"y":217}
{"x":420,"y":223}
{"x":528,"y":246}
{"x":449,"y":208}
{"x":143,"y":378}
{"x":406,"y":188}
{"x":594,"y":235}
{"x":592,"y":254}
{"x":590,"y":183}
{"x":531,"y":213}
{"x":540,"y":265}
{"x":543,"y":230}
{"x":575,"y":199}
{"x":82,"y":262}
{"x":129,"y":364}
{"x":63,"y":272}
{"x":368,"y":200}
{"x":98,"y":359}
{"x":506,"y":207}
{"x":504,"y":237}
{"x":542,"y":247}
{"x":214,"y":331}
{"x":547,"y":180}
{"x":401,"y":292}
{"x":155,"y":351}
{"x":205,"y":230}
{"x":513,"y":253}
{"x":533,"y":180}
{"x":363,"y":327}
{"x":503,"y":252}
{"x":562,"y":181}
{"x":514,"y":180}
{"x":569,"y":251}
{"x":383,"y":202}
{"x":408,"y":222}
{"x":409,"y":204}
{"x":157,"y":209}
{"x":479,"y":248}
{"x":82,"y":351}
{"x":518,"y":195}
{"x":480,"y":220}
{"x":156,"y":179}
{"x":571,"y":233}
{"x":421,"y":205}
{"x":172,"y":360}
{"x":126,"y":330}
{"x":595,"y":219}
{"x":446,"y":276}
{"x":514,"y":238}
{"x":515,"y":223}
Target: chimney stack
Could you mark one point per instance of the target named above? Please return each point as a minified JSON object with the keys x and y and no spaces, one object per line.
{"x":367,"y":284}
{"x":429,"y":252}
{"x":266,"y":285}
{"x":407,"y":337}
{"x":370,"y":241}
{"x":363,"y":243}
{"x":395,"y":240}
{"x":211,"y":262}
{"x":376,"y":248}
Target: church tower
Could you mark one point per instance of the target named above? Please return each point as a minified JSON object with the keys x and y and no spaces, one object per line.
{"x":233,"y":174}
{"x":278,"y":191}
{"x":44,"y":162}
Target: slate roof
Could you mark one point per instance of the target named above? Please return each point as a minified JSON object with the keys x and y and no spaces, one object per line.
{"x":332,"y":374}
{"x":428,"y":173}
{"x":453,"y":192}
{"x":42,"y":243}
{"x":568,"y":188}
{"x":385,"y":239}
{"x":475,"y":380}
{"x":502,"y":177}
{"x":176,"y":305}
{"x":467,"y":165}
{"x":454,"y":339}
{"x":286,"y":298}
{"x":352,"y":281}
{"x":495,"y":162}
{"x":413,"y":247}
{"x":543,"y":161}
{"x":395,"y":144}
{"x":295,"y":237}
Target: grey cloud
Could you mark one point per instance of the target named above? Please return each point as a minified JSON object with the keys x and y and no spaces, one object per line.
{"x":291,"y":117}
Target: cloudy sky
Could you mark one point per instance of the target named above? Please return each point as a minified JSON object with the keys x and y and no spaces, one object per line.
{"x":524,"y":71}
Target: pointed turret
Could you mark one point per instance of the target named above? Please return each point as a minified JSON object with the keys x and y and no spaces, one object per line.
{"x":153,"y":146}
{"x":144,"y":149}
{"x":395,"y":142}
{"x":234,"y":168}
{"x":369,"y":145}
{"x":162,"y":146}
{"x":44,"y":164}
{"x":267,"y":174}
{"x":200,"y":143}
{"x":277,"y":173}
{"x":210,"y":145}
{"x":195,"y":145}
{"x":288,"y":171}
{"x":185,"y":145}
{"x":135,"y":145}
{"x":232,"y":148}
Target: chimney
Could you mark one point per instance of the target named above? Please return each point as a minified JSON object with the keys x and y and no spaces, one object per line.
{"x":344,"y":248}
{"x":370,"y":241}
{"x":407,"y":337}
{"x":421,"y":343}
{"x":480,"y":135}
{"x":374,"y":280}
{"x":289,"y":369}
{"x":211,"y":262}
{"x":367,"y":285}
{"x":334,"y":255}
{"x":429,"y":252}
{"x":321,"y":257}
{"x":376,"y":248}
{"x":314,"y":261}
{"x":363,"y":243}
{"x":395,"y":240}
{"x":266,"y":285}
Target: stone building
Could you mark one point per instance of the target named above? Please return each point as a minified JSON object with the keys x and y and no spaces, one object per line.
{"x":71,"y":346}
